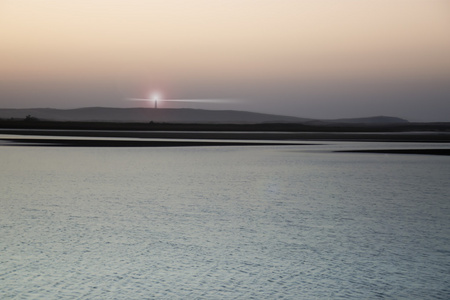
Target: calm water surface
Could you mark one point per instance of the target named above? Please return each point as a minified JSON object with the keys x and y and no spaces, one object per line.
{"x":287,"y":222}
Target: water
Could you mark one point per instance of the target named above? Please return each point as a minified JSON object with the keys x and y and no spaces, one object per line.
{"x":287,"y":222}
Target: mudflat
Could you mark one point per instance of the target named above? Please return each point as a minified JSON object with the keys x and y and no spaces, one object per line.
{"x":117,"y":138}
{"x":432,"y":137}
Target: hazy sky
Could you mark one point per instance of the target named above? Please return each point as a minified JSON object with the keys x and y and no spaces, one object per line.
{"x":307,"y":58}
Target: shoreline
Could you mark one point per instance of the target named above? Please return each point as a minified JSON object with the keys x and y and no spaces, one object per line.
{"x":420,"y":137}
{"x":49,"y":142}
{"x":442,"y":152}
{"x":105,"y":137}
{"x":92,"y":138}
{"x":115,"y":143}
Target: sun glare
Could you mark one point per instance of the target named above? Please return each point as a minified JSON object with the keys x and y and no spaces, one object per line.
{"x":155,"y":97}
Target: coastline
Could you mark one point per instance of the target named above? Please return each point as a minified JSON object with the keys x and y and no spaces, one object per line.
{"x":443,"y":152}
{"x":294,"y":136}
{"x":111,"y":138}
{"x":110,"y":134}
{"x":80,"y":142}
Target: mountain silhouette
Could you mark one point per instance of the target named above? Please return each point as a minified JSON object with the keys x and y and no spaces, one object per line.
{"x":162,"y":115}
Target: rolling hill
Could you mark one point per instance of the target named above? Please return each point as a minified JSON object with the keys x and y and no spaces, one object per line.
{"x":161,"y":115}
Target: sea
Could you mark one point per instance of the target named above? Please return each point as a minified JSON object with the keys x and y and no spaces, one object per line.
{"x":224,"y":222}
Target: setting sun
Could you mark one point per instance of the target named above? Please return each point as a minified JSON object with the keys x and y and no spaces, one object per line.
{"x":155,"y":97}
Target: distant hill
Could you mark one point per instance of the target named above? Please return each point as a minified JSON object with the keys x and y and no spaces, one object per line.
{"x":371,"y":120}
{"x":147,"y":115}
{"x":161,"y":115}
{"x":379,"y":120}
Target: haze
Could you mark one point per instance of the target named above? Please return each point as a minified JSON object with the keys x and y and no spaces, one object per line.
{"x":311,"y":58}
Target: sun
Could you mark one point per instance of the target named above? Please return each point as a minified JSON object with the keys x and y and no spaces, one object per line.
{"x":155,"y":97}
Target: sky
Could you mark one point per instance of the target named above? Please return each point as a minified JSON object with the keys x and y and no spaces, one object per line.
{"x":308,"y":58}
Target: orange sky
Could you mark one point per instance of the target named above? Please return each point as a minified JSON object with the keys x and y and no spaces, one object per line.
{"x":249,"y":49}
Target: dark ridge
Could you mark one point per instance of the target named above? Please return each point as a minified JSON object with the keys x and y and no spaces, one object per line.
{"x":180,"y":116}
{"x":445,"y":152}
{"x":143,"y":115}
{"x":369,"y":120}
{"x":35,"y":123}
{"x":130,"y":143}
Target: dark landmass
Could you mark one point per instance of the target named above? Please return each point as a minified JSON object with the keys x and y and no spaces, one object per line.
{"x":407,"y":132}
{"x":403,"y":151}
{"x":179,"y":116}
{"x":232,"y":132}
{"x":267,"y":127}
{"x":129,"y":143}
{"x":145,"y":115}
{"x":379,"y":129}
{"x":379,"y":120}
{"x":197,"y":120}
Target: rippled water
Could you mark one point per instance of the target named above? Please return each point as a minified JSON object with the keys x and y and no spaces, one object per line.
{"x":293,"y":222}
